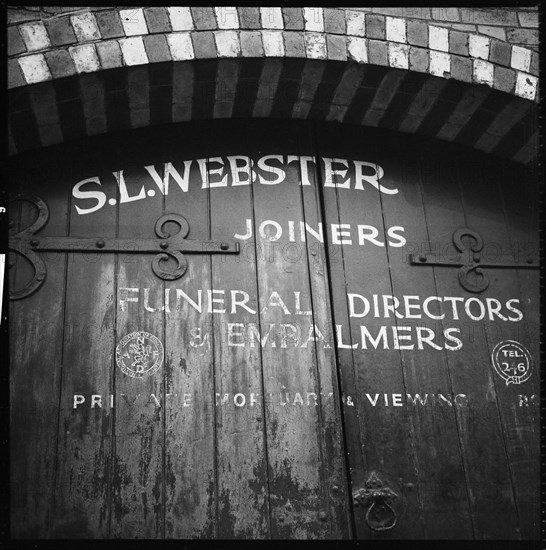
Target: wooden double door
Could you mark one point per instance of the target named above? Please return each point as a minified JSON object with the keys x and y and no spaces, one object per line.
{"x":366,"y":366}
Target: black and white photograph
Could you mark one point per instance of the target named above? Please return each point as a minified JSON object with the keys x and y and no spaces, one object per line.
{"x":272,"y":273}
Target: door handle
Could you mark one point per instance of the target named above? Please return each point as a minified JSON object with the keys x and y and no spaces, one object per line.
{"x":377,"y":498}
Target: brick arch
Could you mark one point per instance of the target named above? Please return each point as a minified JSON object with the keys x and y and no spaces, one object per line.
{"x":91,"y":71}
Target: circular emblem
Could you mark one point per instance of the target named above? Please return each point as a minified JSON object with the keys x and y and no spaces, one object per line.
{"x":139,"y":354}
{"x":512,"y":362}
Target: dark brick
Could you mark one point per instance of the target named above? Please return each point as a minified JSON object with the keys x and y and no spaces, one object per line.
{"x":419,"y":13}
{"x":534,"y":67}
{"x":157,"y":20}
{"x":525,"y":37}
{"x":60,"y":31}
{"x":488,"y":17}
{"x":418,"y":59}
{"x":458,"y":42}
{"x":293,"y":19}
{"x":375,"y":26}
{"x":500,"y":52}
{"x":203,"y":44}
{"x":445,"y":14}
{"x":249,"y":18}
{"x":461,"y":68}
{"x":417,"y":33}
{"x":504,"y":79}
{"x":109,"y":54}
{"x":204,"y":18}
{"x":334,"y":21}
{"x":157,"y":48}
{"x":337,"y":47}
{"x":293,"y":44}
{"x":15,"y":42}
{"x":251,"y":44}
{"x":60,"y":63}
{"x":20,"y":15}
{"x":377,"y":52}
{"x":15,"y":75}
{"x":109,"y":24}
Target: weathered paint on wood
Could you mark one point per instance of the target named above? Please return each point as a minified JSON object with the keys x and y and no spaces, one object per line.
{"x":384,"y":433}
{"x":36,"y":326}
{"x":469,"y":368}
{"x":174,"y":458}
{"x":298,"y":494}
{"x":243,"y":497}
{"x":82,"y":487}
{"x":190,"y":430}
{"x":138,"y":505}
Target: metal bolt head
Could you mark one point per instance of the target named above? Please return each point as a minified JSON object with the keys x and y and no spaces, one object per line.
{"x":529,"y":260}
{"x":422,"y":258}
{"x":34,"y":242}
{"x":164,"y":245}
{"x":39,"y":277}
{"x":477,"y":257}
{"x":224,"y":246}
{"x":100,"y":244}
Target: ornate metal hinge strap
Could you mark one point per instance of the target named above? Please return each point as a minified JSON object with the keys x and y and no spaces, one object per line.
{"x":471,"y":260}
{"x":26,"y":242}
{"x":380,"y":516}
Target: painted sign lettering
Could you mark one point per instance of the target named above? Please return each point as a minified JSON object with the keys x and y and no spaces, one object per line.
{"x":139,"y":354}
{"x":512,"y":362}
{"x":231,"y":171}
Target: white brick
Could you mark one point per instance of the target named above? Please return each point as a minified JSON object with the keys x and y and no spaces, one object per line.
{"x":315,"y":45}
{"x":478,"y":46}
{"x":227,"y":17}
{"x":181,"y":19}
{"x":398,"y":55}
{"x":521,"y":58}
{"x":34,"y":68}
{"x":396,"y":29}
{"x":133,"y":51}
{"x":526,"y":85}
{"x":438,"y":38}
{"x":35,"y":36}
{"x":356,"y":23}
{"x":180,"y":45}
{"x":273,"y":44}
{"x":357,"y":49}
{"x":440,"y":63}
{"x":85,"y":58}
{"x":227,"y":43}
{"x":85,"y":27}
{"x":314,"y":19}
{"x":483,"y":72}
{"x":271,"y":18}
{"x":133,"y":22}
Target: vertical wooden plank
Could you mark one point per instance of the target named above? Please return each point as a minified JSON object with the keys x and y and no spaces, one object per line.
{"x":240,"y":445}
{"x":522,"y":418}
{"x":313,"y":253}
{"x":138,"y":457}
{"x":471,"y":375}
{"x":493,"y":218}
{"x":85,"y":425}
{"x":379,"y":434}
{"x":456,"y":391}
{"x":36,"y":332}
{"x":190,"y":464}
{"x":298,"y":497}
